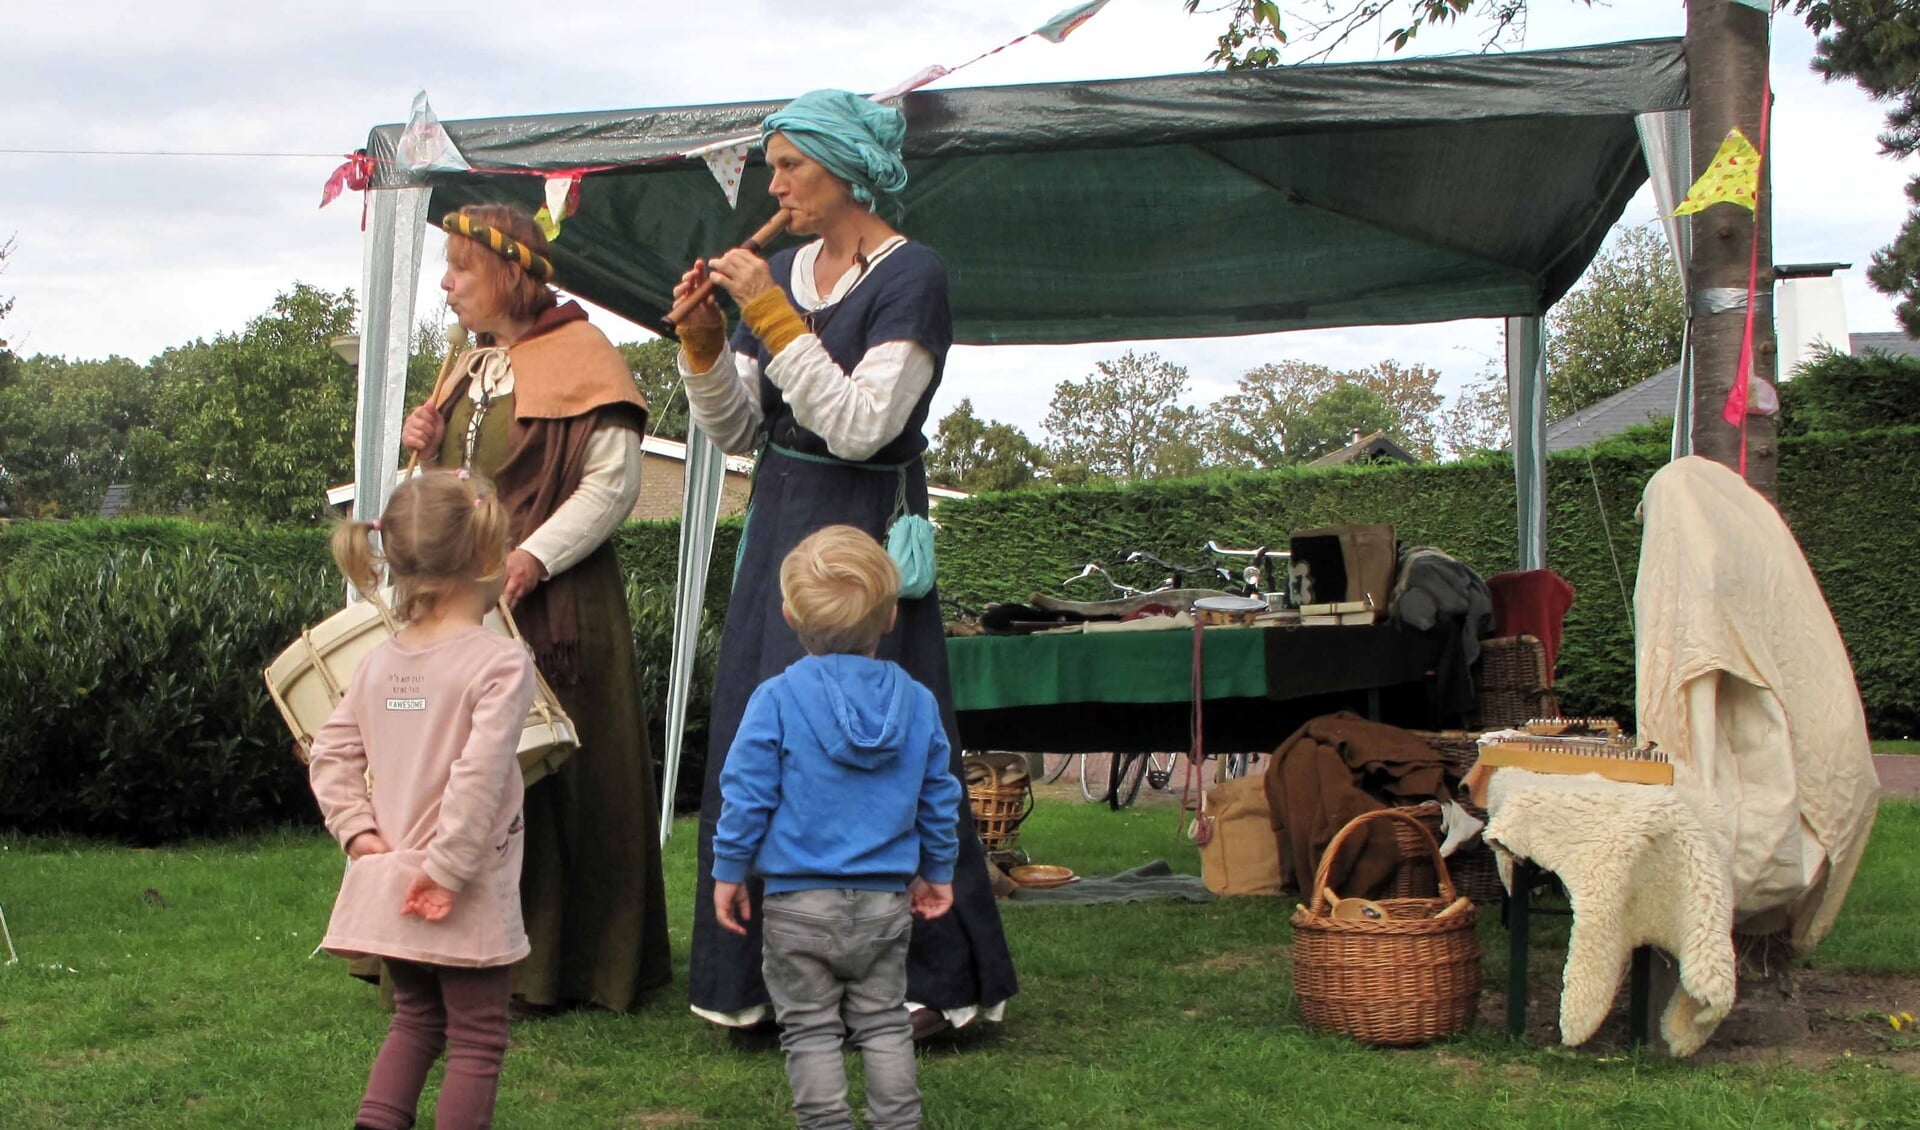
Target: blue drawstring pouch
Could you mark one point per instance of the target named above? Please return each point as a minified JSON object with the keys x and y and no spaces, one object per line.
{"x":910,"y":544}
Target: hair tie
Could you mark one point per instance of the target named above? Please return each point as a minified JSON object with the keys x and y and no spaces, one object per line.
{"x":463,"y":473}
{"x":477,"y":500}
{"x":374,"y":525}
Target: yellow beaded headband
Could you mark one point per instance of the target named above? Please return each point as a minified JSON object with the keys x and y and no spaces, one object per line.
{"x":500,"y":243}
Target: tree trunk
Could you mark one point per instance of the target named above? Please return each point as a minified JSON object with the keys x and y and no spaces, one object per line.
{"x":1727,"y":67}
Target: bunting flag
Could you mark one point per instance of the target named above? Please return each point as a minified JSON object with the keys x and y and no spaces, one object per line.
{"x":1065,"y":23}
{"x":425,"y":146}
{"x":563,"y":200}
{"x":1732,"y":178}
{"x":355,"y":173}
{"x":728,"y":164}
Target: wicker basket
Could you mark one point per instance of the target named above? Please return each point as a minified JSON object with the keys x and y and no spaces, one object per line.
{"x":1000,"y":791}
{"x":1514,"y":686}
{"x":1407,"y":979}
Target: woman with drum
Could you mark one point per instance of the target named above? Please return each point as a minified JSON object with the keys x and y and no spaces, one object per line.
{"x":829,"y":377}
{"x":546,"y":408}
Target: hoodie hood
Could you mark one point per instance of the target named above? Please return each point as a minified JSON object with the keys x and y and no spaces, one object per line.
{"x":857,"y":708}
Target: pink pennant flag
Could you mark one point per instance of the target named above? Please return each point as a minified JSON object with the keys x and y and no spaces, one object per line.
{"x":1065,"y":23}
{"x":354,"y":173}
{"x":728,"y":165}
{"x":912,"y":83}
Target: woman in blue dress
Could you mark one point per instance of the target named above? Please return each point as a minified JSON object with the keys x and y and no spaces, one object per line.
{"x":829,"y":378}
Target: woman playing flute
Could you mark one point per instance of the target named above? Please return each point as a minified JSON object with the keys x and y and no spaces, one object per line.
{"x":829,"y":377}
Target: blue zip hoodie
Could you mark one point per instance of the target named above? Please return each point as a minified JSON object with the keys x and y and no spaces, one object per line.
{"x":838,"y":778}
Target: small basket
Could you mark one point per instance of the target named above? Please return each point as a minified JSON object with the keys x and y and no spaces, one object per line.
{"x":1406,"y":979}
{"x":1474,"y":871}
{"x":1001,"y":798}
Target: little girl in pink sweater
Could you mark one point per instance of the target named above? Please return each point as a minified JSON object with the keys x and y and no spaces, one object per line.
{"x":417,"y":777}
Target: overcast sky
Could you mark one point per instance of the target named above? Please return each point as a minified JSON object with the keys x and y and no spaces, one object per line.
{"x":129,"y":255}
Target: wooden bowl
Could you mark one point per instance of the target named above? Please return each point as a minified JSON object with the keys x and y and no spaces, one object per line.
{"x":1041,"y":875}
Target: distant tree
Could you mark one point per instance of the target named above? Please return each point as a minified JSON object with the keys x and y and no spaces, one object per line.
{"x":1876,"y":43}
{"x":1622,"y":323}
{"x":7,"y":359}
{"x":1476,"y":421}
{"x":1124,"y":422}
{"x":975,"y":455}
{"x":64,"y":429}
{"x":252,"y":427}
{"x":1257,"y":29}
{"x":657,"y":372}
{"x":1284,"y":412}
{"x":1333,"y":420}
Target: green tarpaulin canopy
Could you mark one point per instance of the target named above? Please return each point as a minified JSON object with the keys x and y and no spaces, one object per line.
{"x":1415,"y":190}
{"x":1193,"y":205}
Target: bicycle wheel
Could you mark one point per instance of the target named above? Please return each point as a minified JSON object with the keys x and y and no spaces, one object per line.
{"x":1129,"y":765}
{"x":1054,"y":766}
{"x":1094,"y":770}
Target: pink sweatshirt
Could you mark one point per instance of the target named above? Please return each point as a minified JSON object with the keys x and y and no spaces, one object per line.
{"x":422,"y":750}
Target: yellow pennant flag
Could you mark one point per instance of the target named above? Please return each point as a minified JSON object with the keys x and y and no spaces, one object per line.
{"x":1732,"y":178}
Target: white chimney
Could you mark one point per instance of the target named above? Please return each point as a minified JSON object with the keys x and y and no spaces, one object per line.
{"x":1810,"y":312}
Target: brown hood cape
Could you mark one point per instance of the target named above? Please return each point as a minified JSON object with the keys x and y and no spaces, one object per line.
{"x":568,"y":381}
{"x":1331,"y":770}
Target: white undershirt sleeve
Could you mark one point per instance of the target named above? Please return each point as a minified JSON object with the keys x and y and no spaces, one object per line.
{"x":608,"y":488}
{"x":857,"y":413}
{"x":725,"y":400}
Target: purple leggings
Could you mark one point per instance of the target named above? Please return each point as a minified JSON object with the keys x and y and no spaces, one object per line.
{"x":436,"y":1007}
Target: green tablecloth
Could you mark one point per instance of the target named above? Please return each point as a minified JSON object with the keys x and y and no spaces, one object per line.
{"x":997,"y":672}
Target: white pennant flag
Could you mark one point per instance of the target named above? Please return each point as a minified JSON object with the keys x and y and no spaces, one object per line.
{"x":424,"y":146}
{"x":728,"y":165}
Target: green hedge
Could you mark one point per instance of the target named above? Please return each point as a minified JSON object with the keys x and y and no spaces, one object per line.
{"x":131,"y":702}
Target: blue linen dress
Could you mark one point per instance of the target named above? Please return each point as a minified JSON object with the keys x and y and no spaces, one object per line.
{"x":957,"y":960}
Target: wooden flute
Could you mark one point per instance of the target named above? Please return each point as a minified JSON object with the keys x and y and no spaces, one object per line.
{"x":701,"y":293}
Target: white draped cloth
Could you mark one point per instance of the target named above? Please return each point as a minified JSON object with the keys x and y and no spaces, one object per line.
{"x":1744,"y":680}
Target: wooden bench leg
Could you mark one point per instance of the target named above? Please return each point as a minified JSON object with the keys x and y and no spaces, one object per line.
{"x":1524,"y":875}
{"x":1639,"y":998}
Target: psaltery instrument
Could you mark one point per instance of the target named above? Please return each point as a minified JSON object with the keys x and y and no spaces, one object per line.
{"x":1573,"y":746}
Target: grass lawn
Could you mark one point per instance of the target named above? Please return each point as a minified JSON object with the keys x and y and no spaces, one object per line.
{"x":1893,"y":746}
{"x":172,"y":988}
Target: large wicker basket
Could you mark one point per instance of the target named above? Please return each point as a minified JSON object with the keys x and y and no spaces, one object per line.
{"x":1406,"y":979}
{"x":1000,"y":791}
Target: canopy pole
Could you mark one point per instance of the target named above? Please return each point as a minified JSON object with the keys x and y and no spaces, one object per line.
{"x":706,"y":475}
{"x":390,"y":277}
{"x":1527,"y":419}
{"x":1666,"y":140}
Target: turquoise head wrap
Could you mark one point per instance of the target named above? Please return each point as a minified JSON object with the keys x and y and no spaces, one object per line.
{"x":853,"y":138}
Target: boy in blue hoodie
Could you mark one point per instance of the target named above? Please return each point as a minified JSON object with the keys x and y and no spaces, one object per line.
{"x":837,"y":794}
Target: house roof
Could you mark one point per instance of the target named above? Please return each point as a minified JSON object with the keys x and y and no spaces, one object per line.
{"x":1653,"y":398}
{"x":1897,"y":344}
{"x":1366,"y":449}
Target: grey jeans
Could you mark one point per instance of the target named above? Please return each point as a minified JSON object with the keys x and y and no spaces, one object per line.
{"x":835,"y":963}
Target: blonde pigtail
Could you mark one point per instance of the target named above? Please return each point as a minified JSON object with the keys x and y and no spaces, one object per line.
{"x":353,"y":552}
{"x":489,"y":535}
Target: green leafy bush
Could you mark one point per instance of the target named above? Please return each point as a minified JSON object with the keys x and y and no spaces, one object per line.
{"x":131,"y":699}
{"x":1845,"y":393}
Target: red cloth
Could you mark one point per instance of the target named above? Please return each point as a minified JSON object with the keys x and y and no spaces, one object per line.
{"x":1531,"y":602}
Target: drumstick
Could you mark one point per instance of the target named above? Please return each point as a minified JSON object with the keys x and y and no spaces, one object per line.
{"x":456,"y":344}
{"x":701,"y":293}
